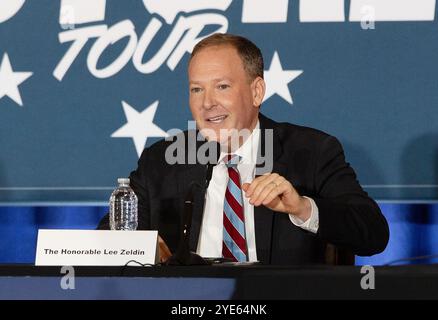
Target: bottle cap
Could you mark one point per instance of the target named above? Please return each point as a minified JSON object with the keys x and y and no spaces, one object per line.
{"x":123,"y":180}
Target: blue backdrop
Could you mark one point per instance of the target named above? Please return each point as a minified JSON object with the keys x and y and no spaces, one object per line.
{"x":73,"y":71}
{"x":413,"y":228}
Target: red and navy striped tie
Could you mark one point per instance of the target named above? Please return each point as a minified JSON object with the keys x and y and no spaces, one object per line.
{"x":234,"y":240}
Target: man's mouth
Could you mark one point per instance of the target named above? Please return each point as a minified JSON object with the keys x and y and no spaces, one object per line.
{"x":217,"y":119}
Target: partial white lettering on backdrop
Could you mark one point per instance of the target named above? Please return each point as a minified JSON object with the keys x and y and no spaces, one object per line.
{"x":187,"y":26}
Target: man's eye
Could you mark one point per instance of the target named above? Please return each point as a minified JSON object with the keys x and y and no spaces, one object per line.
{"x":223,"y":86}
{"x":195,"y":90}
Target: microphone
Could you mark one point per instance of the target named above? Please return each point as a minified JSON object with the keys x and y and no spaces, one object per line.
{"x":183,"y":256}
{"x":215,"y":147}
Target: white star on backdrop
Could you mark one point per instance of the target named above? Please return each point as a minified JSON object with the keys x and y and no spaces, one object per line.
{"x":277,"y":79}
{"x":140,"y":126}
{"x":10,"y":80}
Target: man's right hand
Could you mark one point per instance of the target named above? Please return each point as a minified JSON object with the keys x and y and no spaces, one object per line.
{"x":163,"y":250}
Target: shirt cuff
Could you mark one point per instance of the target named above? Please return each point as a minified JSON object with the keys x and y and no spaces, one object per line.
{"x":312,"y":224}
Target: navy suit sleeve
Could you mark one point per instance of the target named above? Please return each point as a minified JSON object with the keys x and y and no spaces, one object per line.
{"x":348,"y":217}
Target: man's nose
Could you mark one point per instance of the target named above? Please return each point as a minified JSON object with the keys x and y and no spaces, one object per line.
{"x":209,"y":100}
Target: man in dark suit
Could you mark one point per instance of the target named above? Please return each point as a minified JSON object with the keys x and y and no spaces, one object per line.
{"x":308,"y":199}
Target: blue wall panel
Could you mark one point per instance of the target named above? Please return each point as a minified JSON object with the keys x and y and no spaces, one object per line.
{"x":19,"y":227}
{"x":368,"y":78}
{"x":414,"y":230}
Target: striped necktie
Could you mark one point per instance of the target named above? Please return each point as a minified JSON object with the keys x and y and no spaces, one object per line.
{"x":234,"y":240}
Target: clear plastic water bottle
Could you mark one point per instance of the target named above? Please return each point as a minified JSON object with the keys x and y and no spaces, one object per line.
{"x":123,"y":207}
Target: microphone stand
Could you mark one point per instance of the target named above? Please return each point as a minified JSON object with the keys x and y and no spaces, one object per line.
{"x":183,"y":256}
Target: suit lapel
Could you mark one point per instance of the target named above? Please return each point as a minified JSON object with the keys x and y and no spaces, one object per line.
{"x":264,"y":217}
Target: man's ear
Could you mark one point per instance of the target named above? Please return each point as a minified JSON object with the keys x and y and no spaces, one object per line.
{"x":258,"y":87}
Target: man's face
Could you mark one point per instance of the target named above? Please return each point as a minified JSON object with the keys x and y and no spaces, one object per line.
{"x":222,"y":97}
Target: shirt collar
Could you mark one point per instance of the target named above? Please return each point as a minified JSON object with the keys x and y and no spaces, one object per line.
{"x":248,"y":150}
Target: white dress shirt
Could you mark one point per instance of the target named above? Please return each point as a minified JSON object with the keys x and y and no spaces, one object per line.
{"x":211,"y":233}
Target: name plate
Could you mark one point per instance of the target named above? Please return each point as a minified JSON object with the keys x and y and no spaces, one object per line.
{"x":95,"y":247}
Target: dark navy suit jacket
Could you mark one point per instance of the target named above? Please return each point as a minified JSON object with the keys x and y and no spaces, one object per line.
{"x":311,"y":160}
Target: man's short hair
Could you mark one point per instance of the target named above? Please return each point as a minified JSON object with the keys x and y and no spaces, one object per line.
{"x":249,"y":53}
